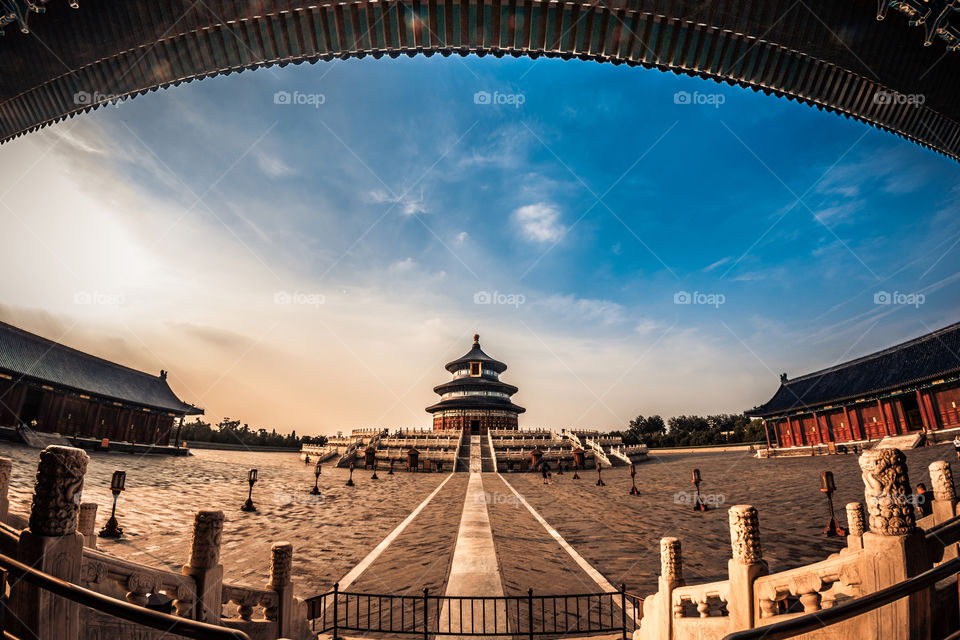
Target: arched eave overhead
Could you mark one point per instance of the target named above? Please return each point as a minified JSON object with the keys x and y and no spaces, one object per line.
{"x":832,"y":54}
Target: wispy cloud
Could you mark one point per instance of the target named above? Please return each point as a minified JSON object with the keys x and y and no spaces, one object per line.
{"x":540,"y":222}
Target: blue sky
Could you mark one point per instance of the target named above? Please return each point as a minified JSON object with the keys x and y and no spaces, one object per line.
{"x":391,"y":203}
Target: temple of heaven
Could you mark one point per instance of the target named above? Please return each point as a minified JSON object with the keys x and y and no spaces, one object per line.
{"x":475,"y":400}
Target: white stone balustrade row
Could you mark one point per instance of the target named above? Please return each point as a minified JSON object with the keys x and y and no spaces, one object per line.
{"x":891,"y":551}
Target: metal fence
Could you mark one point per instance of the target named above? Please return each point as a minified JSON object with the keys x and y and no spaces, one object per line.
{"x":529,"y":616}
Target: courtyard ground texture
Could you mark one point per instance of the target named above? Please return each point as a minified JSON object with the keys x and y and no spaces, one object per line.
{"x":618,"y":534}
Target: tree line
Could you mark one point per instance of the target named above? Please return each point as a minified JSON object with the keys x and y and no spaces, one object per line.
{"x":229,"y":431}
{"x":692,"y":431}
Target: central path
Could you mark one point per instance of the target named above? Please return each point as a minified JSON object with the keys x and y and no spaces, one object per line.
{"x":474,"y":570}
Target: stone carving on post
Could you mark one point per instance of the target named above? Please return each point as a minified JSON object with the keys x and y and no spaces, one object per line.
{"x":51,"y":544}
{"x":887,"y":492}
{"x":671,"y":561}
{"x":657,"y":620}
{"x":745,"y":534}
{"x":745,"y":566}
{"x":894,"y":548}
{"x":204,"y":566}
{"x":6,"y":469}
{"x":856,"y":525}
{"x":941,"y":477}
{"x":86,"y":523}
{"x":281,"y":567}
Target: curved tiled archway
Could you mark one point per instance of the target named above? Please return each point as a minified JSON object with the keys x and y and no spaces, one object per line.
{"x":832,"y":54}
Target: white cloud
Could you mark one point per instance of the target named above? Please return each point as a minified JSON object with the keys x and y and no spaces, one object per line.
{"x":540,"y":222}
{"x":461,"y":237}
{"x":408,"y":205}
{"x":272,"y":165}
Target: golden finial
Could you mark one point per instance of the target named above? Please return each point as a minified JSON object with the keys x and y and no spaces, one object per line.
{"x":476,"y":338}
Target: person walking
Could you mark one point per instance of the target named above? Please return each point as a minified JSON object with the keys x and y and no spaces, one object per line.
{"x":956,"y":446}
{"x":924,"y":506}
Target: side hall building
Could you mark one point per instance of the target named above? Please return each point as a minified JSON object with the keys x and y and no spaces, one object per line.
{"x":910,"y":387}
{"x":77,"y":394}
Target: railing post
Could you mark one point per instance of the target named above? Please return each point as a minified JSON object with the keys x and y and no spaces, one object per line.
{"x":52,"y":545}
{"x":6,"y":469}
{"x":281,"y":565}
{"x":895,"y":549}
{"x":426,"y":615}
{"x":745,"y":566}
{"x":530,"y":612}
{"x":86,"y":524}
{"x":336,"y":610}
{"x":623,"y":611}
{"x":204,"y":565}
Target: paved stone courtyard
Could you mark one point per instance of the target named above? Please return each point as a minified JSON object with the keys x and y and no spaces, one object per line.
{"x":614,"y":532}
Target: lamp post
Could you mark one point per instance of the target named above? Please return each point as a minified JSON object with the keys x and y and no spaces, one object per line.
{"x":633,"y":478}
{"x":252,"y":479}
{"x":576,"y":467}
{"x":600,"y":482}
{"x":112,"y":530}
{"x":374,"y":476}
{"x":350,"y":479}
{"x":316,"y":483}
{"x":827,"y":486}
{"x":698,"y":503}
{"x":390,"y":472}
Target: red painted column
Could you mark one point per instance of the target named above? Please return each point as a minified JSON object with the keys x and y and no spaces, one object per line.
{"x":766,"y":432}
{"x":883,"y":414}
{"x":846,"y":419}
{"x":924,"y":418}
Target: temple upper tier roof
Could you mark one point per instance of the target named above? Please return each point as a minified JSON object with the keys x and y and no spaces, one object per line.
{"x":476,"y":354}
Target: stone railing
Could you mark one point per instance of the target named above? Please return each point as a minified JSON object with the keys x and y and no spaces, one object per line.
{"x":60,"y":540}
{"x":816,"y":586}
{"x":892,"y":550}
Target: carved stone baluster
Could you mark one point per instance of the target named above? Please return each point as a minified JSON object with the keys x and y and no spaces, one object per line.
{"x":51,"y":544}
{"x":745,"y":566}
{"x":86,"y":524}
{"x":703,"y":607}
{"x":856,"y":525}
{"x":204,"y":566}
{"x":6,"y":470}
{"x":944,"y":493}
{"x":183,"y":601}
{"x":140,"y":586}
{"x":894,"y":548}
{"x":810,"y":601}
{"x":281,"y":567}
{"x":887,"y":491}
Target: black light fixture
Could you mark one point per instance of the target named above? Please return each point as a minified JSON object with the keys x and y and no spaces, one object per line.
{"x":633,"y":478}
{"x":827,"y":486}
{"x":350,"y":479}
{"x":374,"y":476}
{"x":600,"y":482}
{"x":117,"y":484}
{"x":698,"y":503}
{"x":316,"y":484}
{"x":252,"y":479}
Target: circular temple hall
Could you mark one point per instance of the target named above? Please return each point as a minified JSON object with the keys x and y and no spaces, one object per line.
{"x":475,"y":400}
